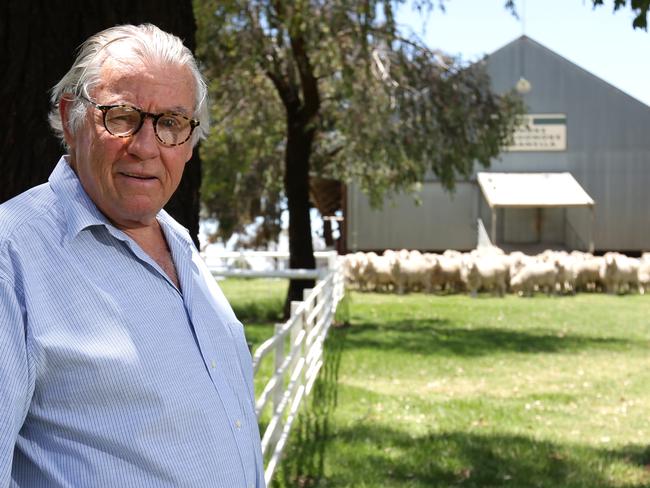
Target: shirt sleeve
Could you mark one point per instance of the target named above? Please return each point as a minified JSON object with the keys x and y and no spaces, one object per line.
{"x":16,"y":378}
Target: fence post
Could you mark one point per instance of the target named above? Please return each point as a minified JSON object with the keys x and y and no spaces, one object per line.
{"x":279,"y":359}
{"x":298,"y":325}
{"x":307,"y":326}
{"x":331,"y":261}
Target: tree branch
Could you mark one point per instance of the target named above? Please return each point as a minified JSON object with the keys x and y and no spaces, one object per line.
{"x":308,"y":82}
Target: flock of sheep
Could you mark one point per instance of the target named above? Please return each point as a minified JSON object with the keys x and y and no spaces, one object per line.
{"x":490,"y":269}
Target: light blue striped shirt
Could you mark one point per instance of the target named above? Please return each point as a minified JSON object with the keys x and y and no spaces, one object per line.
{"x":109,"y":375}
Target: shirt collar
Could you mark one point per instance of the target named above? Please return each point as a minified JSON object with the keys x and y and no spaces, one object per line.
{"x":173,"y":229}
{"x":81,"y":212}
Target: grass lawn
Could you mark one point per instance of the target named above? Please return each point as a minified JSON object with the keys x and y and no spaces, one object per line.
{"x":431,"y":391}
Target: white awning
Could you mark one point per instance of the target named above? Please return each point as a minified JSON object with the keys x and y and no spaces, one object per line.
{"x":533,"y":190}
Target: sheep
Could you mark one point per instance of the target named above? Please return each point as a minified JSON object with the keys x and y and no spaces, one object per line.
{"x":517,"y":260}
{"x":487,"y":251}
{"x":537,"y":275}
{"x":586,"y":272}
{"x":448,"y":271}
{"x":390,"y":254}
{"x":378,"y":272}
{"x":619,"y":273}
{"x":563,"y":262}
{"x":349,"y":268}
{"x":408,"y":270}
{"x":644,"y":274}
{"x":354,"y":267}
{"x":452,"y":253}
{"x":414,"y":273}
{"x":486,"y":273}
{"x":565,"y":281}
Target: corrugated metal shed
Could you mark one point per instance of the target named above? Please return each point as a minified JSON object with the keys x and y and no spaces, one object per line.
{"x":404,"y":222}
{"x":607,"y":144}
{"x":587,"y":127}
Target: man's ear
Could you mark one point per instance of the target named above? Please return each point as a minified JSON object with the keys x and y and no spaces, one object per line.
{"x":65,"y":105}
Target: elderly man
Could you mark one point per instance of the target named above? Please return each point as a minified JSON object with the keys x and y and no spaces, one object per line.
{"x":121,"y":362}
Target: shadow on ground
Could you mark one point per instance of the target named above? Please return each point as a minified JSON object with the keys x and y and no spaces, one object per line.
{"x":385,"y":457}
{"x":437,"y":336}
{"x":304,"y":459}
{"x":475,"y":460}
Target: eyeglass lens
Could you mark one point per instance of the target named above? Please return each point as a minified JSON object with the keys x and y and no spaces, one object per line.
{"x":171,"y":129}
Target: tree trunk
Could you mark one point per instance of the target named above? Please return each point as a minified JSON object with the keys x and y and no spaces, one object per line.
{"x":327,"y":233}
{"x":296,"y":186}
{"x":38,"y":39}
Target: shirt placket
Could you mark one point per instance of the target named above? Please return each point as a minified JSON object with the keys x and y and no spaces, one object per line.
{"x":197,"y":306}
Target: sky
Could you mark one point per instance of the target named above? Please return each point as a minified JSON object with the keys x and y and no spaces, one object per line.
{"x":598,"y":40}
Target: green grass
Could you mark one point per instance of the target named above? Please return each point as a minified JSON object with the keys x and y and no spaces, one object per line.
{"x":430,"y":391}
{"x":256,"y":301}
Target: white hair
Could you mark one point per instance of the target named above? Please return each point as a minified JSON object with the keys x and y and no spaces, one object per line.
{"x":145,"y":43}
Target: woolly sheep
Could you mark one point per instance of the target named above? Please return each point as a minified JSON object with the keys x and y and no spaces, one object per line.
{"x":378,"y":272}
{"x":619,"y":273}
{"x":485,"y":273}
{"x":537,"y":275}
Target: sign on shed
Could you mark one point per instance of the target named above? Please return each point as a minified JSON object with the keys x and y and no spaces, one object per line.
{"x":540,"y":132}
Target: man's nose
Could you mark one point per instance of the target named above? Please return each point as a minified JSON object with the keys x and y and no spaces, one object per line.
{"x":144,"y":143}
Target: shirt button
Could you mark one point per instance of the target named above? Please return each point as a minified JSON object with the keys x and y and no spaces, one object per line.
{"x":238,"y":424}
{"x":213,"y":364}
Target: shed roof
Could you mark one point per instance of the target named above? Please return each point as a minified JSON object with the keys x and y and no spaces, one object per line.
{"x":533,"y":190}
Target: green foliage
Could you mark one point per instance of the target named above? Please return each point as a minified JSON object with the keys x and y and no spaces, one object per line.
{"x":639,"y":9}
{"x":364,"y":103}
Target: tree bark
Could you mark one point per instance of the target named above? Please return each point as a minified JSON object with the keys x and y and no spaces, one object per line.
{"x":327,"y":233}
{"x":38,"y":39}
{"x":296,"y":186}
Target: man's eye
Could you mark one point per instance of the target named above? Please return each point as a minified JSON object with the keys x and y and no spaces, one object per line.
{"x":123,"y":115}
{"x":170,"y":122}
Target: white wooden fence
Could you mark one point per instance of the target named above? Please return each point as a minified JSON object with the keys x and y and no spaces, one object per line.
{"x":297,"y":351}
{"x":225,"y":263}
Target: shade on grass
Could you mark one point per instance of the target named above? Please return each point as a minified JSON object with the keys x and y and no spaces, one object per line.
{"x":428,"y":391}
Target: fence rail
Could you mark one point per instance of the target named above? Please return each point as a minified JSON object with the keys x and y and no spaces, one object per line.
{"x":297,"y":350}
{"x":266,"y":254}
{"x":244,"y":263}
{"x":297,"y":274}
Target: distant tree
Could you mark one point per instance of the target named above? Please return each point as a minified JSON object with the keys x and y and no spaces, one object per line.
{"x":639,"y":9}
{"x":39,"y":39}
{"x":333,"y":89}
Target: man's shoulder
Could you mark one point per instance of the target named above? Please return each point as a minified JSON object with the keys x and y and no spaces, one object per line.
{"x":31,"y":208}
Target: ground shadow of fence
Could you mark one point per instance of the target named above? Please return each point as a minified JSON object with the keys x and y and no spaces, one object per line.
{"x":303,"y":463}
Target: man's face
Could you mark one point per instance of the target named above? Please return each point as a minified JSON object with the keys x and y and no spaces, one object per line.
{"x":130,"y":179}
